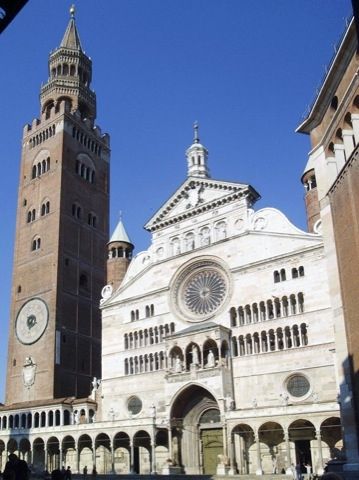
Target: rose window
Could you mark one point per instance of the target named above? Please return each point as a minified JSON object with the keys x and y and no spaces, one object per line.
{"x":204,"y":292}
{"x":200,"y":290}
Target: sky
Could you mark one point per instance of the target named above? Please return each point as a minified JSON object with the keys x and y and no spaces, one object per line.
{"x":246,"y":71}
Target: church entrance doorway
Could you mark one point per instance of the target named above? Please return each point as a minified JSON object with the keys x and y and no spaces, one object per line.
{"x":197,"y":431}
{"x":212,"y":445}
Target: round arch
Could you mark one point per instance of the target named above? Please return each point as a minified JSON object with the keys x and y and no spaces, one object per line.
{"x":69,"y":451}
{"x":331,"y":433}
{"x":53,"y":453}
{"x":272,"y":447}
{"x":187,"y":433}
{"x":242,"y":438}
{"x":38,"y":454}
{"x":85,"y":452}
{"x":142,"y":460}
{"x":121,"y":450}
{"x":102,"y":447}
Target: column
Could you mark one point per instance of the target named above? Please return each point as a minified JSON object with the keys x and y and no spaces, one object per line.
{"x":132,"y":457}
{"x":112,"y":458}
{"x":94,"y":456}
{"x":60,"y":458}
{"x":259,"y":470}
{"x":348,"y":142}
{"x":78,"y":460}
{"x":355,"y":123}
{"x":153,"y":457}
{"x":232,"y":469}
{"x":339,"y":153}
{"x":287,"y":448}
{"x":320,"y":453}
{"x":169,"y":431}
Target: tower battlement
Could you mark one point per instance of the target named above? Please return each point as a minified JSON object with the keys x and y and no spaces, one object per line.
{"x":42,"y":129}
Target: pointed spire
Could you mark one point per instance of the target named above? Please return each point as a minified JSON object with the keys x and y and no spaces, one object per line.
{"x":120,"y":234}
{"x":197,"y":156}
{"x":71,"y":37}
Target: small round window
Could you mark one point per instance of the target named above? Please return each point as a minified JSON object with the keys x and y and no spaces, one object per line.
{"x":134,"y":405}
{"x":298,"y":386}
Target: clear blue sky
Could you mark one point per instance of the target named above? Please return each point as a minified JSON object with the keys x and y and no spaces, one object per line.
{"x":245,"y":70}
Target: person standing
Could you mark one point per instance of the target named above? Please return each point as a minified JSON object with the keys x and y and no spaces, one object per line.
{"x":68,"y":473}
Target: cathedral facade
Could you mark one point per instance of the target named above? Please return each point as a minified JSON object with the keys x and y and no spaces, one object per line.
{"x":218,"y":342}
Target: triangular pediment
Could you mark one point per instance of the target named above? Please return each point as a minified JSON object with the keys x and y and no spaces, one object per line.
{"x":196,"y":195}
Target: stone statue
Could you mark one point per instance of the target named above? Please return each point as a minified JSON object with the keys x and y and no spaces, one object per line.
{"x":76,"y":417}
{"x":178,"y":364}
{"x":210,"y":359}
{"x":195,"y":359}
{"x":229,"y":402}
{"x":152,"y":411}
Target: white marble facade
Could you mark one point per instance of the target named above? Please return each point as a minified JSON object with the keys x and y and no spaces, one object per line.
{"x":223,"y":327}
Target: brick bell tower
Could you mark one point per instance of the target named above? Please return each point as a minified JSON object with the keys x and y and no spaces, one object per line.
{"x":61,"y":236}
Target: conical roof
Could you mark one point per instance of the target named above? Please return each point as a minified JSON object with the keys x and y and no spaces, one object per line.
{"x":71,"y":37}
{"x":120,"y":234}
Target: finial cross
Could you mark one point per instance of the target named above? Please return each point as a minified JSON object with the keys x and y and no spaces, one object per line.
{"x":195,"y":128}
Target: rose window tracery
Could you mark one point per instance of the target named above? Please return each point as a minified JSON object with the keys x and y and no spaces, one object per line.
{"x":204,"y":292}
{"x":200,"y":290}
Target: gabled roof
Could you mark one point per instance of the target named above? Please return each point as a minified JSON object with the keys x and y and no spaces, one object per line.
{"x":196,"y":195}
{"x":120,"y":234}
{"x":71,"y":37}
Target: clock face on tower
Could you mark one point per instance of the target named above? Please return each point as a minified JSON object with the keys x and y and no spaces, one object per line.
{"x":31,"y":321}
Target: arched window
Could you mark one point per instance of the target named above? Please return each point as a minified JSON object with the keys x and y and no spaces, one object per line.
{"x":282,"y":275}
{"x":248,"y":314}
{"x":264,"y":341}
{"x":28,"y":219}
{"x":301,"y":271}
{"x":36,"y":244}
{"x":300,"y":302}
{"x":276,"y":276}
{"x":234,"y":347}
{"x":262,"y":310}
{"x":48,"y":164}
{"x":294,"y":273}
{"x":304,"y":334}
{"x":233,"y":317}
{"x":277,"y":307}
{"x":240,"y":316}
{"x":147,"y":311}
{"x":285,"y":306}
{"x":152,"y":310}
{"x":270,"y":309}
{"x":33,"y":172}
{"x":43,"y":166}
{"x":132,"y":316}
{"x":255,"y":313}
{"x":293,"y":304}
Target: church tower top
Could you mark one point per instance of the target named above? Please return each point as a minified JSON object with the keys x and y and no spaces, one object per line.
{"x":197,"y":156}
{"x":70,"y":75}
{"x":71,"y":37}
